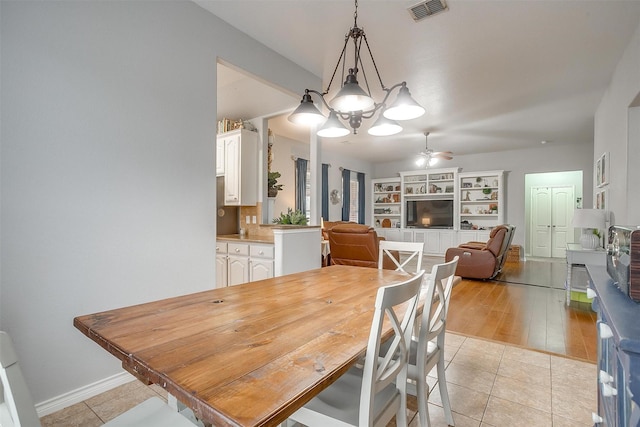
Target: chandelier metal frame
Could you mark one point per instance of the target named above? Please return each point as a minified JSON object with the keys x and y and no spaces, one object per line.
{"x":308,"y":113}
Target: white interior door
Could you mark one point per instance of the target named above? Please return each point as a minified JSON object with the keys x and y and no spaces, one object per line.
{"x":561,"y":212}
{"x":541,"y":221}
{"x":551,"y":210}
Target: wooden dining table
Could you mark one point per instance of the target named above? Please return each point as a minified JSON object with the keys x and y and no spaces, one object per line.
{"x":251,"y":354}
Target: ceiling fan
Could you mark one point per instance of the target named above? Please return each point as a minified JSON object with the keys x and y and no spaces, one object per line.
{"x":429,"y":158}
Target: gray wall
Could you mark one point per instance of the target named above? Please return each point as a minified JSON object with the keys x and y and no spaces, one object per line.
{"x":108,"y":167}
{"x":517,"y":163}
{"x":617,"y":132}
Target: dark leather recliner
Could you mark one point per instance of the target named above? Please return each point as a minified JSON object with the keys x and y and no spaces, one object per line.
{"x":355,"y":244}
{"x":483,"y":261}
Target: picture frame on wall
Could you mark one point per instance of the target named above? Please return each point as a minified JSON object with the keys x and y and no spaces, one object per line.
{"x":602,"y":200}
{"x":602,"y":170}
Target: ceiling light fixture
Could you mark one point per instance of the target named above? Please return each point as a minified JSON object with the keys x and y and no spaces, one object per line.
{"x":429,"y":158}
{"x":352,"y":103}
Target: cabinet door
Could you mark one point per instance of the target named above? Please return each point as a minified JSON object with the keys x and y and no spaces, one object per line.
{"x":261,"y":269}
{"x":220,"y":158}
{"x":447,"y":240}
{"x":221,"y":271}
{"x":238,"y":270}
{"x":232,"y":170}
{"x":432,"y":242}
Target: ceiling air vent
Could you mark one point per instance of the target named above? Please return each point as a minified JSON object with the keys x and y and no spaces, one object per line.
{"x":425,"y":9}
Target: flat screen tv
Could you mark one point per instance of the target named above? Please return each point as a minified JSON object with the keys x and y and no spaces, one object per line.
{"x":429,"y":213}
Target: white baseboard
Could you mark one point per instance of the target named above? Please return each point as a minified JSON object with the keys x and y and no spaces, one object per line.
{"x":83,"y":393}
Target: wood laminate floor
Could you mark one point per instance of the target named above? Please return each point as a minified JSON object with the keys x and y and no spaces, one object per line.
{"x":526,"y":307}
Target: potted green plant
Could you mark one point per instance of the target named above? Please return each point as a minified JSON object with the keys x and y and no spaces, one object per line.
{"x":272,"y":184}
{"x":291,"y":217}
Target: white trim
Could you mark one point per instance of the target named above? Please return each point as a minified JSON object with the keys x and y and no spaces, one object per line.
{"x":83,"y":393}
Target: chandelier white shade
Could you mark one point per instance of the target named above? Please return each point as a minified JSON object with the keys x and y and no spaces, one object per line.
{"x":405,"y":107}
{"x":384,"y":127}
{"x":333,"y":127}
{"x":352,"y":103}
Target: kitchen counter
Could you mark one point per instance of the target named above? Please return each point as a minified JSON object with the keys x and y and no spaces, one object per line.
{"x":246,"y":238}
{"x":264,"y":233}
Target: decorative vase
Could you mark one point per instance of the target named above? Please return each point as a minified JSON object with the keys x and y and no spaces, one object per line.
{"x":589,"y":241}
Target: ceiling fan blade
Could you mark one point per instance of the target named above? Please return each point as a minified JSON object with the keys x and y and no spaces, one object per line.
{"x":442,"y":156}
{"x":446,"y":153}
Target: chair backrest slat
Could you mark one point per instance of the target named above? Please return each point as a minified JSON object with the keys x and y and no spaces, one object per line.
{"x":380,"y":370}
{"x":16,"y":405}
{"x":397,"y":250}
{"x":438,"y":290}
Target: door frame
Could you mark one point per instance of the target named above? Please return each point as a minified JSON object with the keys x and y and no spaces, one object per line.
{"x":550,"y":179}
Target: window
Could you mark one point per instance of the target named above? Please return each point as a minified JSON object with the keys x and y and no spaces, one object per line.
{"x":353,"y":198}
{"x":307,"y":196}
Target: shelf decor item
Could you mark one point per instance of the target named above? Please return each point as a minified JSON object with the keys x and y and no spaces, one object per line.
{"x":591,"y":221}
{"x":272,"y":184}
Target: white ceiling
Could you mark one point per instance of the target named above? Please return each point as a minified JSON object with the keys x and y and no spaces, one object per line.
{"x":492,"y":75}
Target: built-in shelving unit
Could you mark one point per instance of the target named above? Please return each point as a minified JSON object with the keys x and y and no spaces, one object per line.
{"x":421,"y":193}
{"x":386,"y":202}
{"x":438,"y":207}
{"x":481,"y":199}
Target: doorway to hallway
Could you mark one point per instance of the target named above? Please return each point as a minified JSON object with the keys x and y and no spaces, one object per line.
{"x":550,"y":199}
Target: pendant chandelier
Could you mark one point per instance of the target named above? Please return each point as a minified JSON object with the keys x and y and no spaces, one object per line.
{"x":352,"y":103}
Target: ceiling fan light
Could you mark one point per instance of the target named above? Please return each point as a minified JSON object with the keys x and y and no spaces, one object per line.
{"x":333,"y":127}
{"x":433,"y":161}
{"x":421,"y":161}
{"x":351,"y":97}
{"x":384,"y":127}
{"x":405,"y":107}
{"x":306,"y":113}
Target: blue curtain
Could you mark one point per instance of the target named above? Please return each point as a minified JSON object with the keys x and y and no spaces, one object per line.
{"x":346,"y":193}
{"x":301,"y":185}
{"x":360,"y":198}
{"x":325,"y":191}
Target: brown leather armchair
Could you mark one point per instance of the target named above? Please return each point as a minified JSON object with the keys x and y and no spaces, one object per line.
{"x":326,"y":225}
{"x":355,"y":244}
{"x":483,"y":261}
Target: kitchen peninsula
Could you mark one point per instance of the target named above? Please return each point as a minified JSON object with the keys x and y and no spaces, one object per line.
{"x":275,"y":251}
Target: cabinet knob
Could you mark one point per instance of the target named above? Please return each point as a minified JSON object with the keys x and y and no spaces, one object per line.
{"x":605,"y":331}
{"x":237,"y":250}
{"x":261,"y":252}
{"x":597,"y":419}
{"x":591,"y":294}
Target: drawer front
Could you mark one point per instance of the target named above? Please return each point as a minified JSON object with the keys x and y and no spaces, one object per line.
{"x":238,"y":249}
{"x":262,"y":251}
{"x":221,"y":247}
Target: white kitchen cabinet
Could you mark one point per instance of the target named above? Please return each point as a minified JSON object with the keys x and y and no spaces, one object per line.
{"x":238,"y":263}
{"x":261,"y":262}
{"x":221,"y":264}
{"x":238,"y":270}
{"x":220,"y":157}
{"x":240,"y":167}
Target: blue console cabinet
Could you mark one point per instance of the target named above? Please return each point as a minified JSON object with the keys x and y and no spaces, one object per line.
{"x":618,"y":352}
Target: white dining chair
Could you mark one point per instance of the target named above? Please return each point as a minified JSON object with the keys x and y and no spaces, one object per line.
{"x":427,"y":350}
{"x":17,"y":408}
{"x":397,"y":250}
{"x":372,"y":396}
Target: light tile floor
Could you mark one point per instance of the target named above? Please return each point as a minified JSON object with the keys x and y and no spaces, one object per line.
{"x":490,"y":384}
